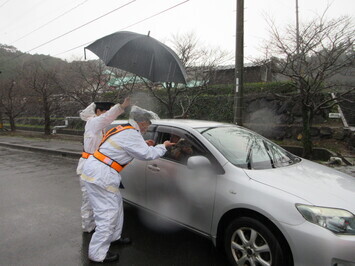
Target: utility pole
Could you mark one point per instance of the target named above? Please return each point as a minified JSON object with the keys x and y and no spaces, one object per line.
{"x":239,"y":63}
{"x":297,"y":31}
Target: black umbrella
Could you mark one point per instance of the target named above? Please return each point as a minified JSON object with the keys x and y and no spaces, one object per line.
{"x":141,"y":55}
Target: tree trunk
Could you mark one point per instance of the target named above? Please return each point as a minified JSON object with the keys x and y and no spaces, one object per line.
{"x":12,"y":124}
{"x":47,"y":117}
{"x":1,"y":122}
{"x":170,"y":105}
{"x":307,"y":117}
{"x":170,"y":112}
{"x":47,"y":123}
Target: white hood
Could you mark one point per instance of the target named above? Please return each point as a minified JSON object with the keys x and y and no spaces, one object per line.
{"x":88,"y":112}
{"x":315,"y":183}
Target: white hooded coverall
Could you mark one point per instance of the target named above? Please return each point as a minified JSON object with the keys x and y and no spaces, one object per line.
{"x":102,"y":184}
{"x":93,"y":134}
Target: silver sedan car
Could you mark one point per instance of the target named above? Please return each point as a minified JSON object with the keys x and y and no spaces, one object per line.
{"x":260,"y":203}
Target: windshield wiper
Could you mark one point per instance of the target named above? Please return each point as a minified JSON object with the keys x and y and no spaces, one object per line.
{"x":268,"y":154}
{"x":248,"y":160}
{"x":207,"y":129}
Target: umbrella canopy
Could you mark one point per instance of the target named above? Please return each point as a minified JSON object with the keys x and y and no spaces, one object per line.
{"x":141,"y":55}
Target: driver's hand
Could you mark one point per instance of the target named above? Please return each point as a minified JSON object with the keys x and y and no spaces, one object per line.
{"x":150,"y":142}
{"x":167,"y":143}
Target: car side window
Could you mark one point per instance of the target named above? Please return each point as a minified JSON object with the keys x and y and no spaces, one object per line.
{"x":150,"y":134}
{"x":192,"y":146}
{"x":181,"y":151}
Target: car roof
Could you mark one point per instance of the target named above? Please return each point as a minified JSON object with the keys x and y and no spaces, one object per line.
{"x":191,"y":123}
{"x":183,"y":123}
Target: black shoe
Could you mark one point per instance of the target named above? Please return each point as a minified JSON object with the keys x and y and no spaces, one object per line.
{"x":122,"y":241}
{"x":110,"y":257}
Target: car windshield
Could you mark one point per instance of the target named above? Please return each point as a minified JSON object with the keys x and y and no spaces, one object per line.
{"x":246,"y":149}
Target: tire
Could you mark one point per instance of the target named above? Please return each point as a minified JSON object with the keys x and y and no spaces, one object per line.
{"x":249,"y":242}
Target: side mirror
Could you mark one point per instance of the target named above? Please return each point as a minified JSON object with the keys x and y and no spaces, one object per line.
{"x":197,"y":162}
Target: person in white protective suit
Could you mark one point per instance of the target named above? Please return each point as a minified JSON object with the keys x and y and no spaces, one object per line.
{"x":102,"y":179}
{"x":98,"y":115}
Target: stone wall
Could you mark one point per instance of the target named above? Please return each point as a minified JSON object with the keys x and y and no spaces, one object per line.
{"x":279,"y":119}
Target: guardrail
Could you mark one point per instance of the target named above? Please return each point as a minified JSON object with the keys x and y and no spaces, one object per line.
{"x":66,"y":123}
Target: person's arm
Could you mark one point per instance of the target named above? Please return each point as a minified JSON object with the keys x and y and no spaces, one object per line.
{"x":134,"y":144}
{"x":150,"y":142}
{"x":102,"y":121}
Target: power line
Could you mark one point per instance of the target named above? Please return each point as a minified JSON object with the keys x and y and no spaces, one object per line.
{"x":163,"y":11}
{"x":156,"y":14}
{"x":5,"y":3}
{"x":85,"y":24}
{"x":40,"y":27}
{"x":71,"y":31}
{"x":22,"y":16}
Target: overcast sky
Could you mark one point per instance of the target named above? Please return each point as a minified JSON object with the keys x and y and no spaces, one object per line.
{"x":55,"y":27}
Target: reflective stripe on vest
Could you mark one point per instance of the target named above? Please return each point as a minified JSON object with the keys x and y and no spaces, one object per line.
{"x":105,"y":159}
{"x":108,"y":161}
{"x":85,"y":155}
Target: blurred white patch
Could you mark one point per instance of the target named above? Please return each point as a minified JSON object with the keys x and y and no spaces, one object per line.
{"x":157,"y":223}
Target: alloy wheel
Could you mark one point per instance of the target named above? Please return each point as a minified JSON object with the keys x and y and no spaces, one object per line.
{"x":249,"y":248}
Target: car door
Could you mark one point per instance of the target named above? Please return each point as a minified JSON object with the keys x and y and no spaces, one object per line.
{"x":133,"y":176}
{"x":174,"y":191}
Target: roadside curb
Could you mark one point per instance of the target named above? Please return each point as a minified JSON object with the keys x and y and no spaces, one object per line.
{"x":62,"y":153}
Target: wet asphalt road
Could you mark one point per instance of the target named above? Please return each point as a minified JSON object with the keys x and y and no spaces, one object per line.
{"x":40,"y":220}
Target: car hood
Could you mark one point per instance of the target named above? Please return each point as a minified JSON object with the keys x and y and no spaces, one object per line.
{"x":315,"y":183}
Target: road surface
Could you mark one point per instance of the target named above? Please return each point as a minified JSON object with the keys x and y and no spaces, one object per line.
{"x":40,"y":220}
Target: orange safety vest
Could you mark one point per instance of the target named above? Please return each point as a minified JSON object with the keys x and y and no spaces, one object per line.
{"x":105,"y":159}
{"x":85,"y":154}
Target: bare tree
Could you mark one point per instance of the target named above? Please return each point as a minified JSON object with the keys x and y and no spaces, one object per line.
{"x":325,"y":48}
{"x":89,"y":81}
{"x":40,"y":79}
{"x":12,"y":100}
{"x":13,"y":93}
{"x":122,"y":83}
{"x":199,"y":62}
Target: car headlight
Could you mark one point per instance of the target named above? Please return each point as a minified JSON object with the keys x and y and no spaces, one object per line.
{"x":336,"y":220}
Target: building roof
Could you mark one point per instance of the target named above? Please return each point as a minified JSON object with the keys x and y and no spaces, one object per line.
{"x":228,"y":67}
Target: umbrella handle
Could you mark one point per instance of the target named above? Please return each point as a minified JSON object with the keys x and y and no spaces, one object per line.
{"x":85,"y":53}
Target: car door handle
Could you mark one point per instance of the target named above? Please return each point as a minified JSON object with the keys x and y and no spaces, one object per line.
{"x":153,"y":167}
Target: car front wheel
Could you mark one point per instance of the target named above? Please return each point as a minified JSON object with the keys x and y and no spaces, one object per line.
{"x":249,"y":242}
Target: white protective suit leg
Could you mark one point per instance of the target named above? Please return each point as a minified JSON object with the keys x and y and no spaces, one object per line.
{"x":87,"y":214}
{"x":108,"y":213}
